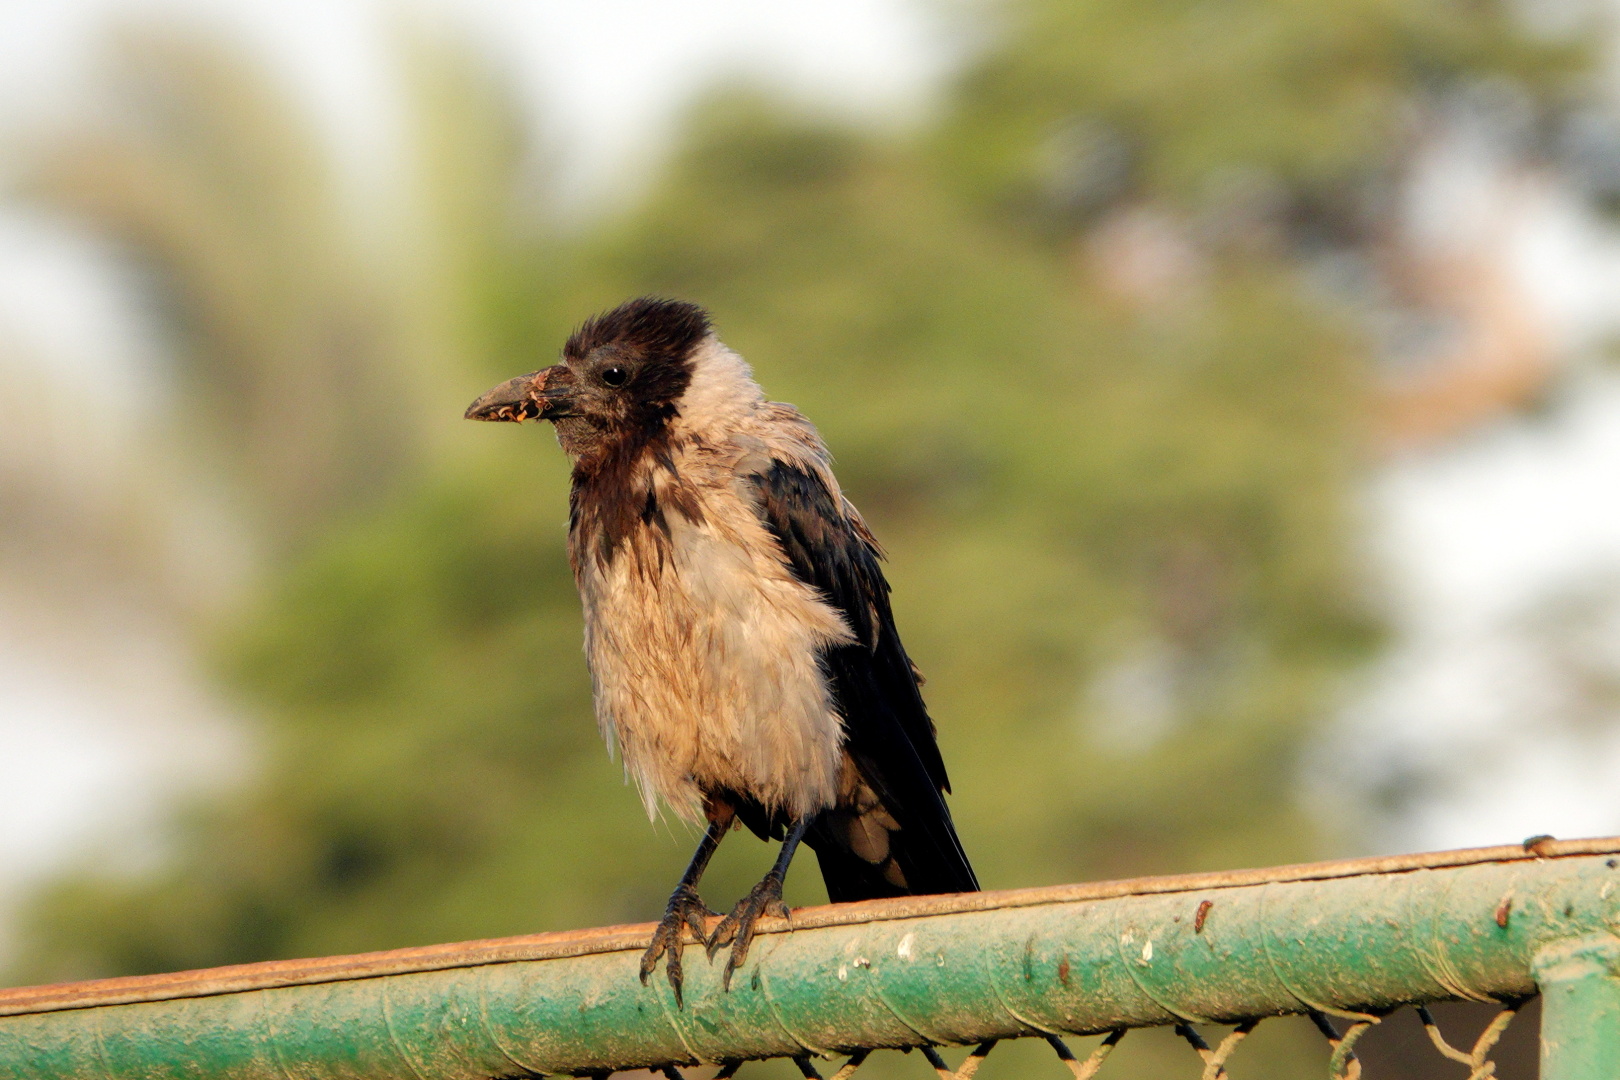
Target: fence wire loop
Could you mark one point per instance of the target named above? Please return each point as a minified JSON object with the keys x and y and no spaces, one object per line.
{"x":1085,"y":1070}
{"x":847,"y":1070}
{"x":1477,"y":1058}
{"x":944,"y":1071}
{"x":1215,"y":1059}
{"x":1343,"y":1064}
{"x":970,"y":1064}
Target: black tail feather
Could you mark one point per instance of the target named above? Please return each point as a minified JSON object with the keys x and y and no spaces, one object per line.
{"x":920,"y":861}
{"x":894,"y":836}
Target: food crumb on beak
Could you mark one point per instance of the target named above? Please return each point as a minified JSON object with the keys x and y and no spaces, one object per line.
{"x":514,"y":401}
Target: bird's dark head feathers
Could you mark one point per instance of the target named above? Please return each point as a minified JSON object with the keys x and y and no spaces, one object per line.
{"x":647,"y":330}
{"x":622,"y":375}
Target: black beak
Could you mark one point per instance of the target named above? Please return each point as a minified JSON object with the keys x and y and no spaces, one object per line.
{"x":539,"y":395}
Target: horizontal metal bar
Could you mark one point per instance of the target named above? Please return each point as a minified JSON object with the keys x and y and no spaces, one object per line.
{"x":240,"y":977}
{"x":1340,"y":938}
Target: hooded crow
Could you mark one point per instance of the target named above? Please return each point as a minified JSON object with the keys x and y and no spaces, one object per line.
{"x":742,"y":652}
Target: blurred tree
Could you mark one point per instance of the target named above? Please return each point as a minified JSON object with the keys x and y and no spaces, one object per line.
{"x":475,"y":264}
{"x":224,"y":197}
{"x":1237,"y":107}
{"x":1072,"y":357}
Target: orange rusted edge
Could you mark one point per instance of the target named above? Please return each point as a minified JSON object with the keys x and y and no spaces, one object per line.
{"x":239,"y":978}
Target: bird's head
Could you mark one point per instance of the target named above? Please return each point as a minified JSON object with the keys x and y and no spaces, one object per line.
{"x":621,"y":378}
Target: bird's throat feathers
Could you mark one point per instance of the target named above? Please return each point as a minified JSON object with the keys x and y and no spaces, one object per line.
{"x":632,"y":477}
{"x":631,"y":488}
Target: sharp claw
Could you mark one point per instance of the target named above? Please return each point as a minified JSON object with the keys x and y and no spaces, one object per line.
{"x":722,"y":936}
{"x":737,"y":928}
{"x":685,"y":909}
{"x":649,"y":959}
{"x":739,"y":954}
{"x":739,"y":950}
{"x":672,"y":971}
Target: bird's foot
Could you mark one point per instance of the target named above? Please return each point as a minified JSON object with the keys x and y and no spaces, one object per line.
{"x":737,"y":929}
{"x":686,"y":909}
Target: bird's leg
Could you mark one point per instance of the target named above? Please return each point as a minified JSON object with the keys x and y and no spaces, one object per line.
{"x":737,"y":929}
{"x":685,"y":907}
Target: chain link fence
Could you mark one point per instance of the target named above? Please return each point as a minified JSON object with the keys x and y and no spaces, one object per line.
{"x":1352,"y":947}
{"x":1205,"y":1061}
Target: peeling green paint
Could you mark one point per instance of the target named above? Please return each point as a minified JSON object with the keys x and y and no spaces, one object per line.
{"x":1343,"y":946}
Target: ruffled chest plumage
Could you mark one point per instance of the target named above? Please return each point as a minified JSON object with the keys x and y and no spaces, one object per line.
{"x":703,"y":646}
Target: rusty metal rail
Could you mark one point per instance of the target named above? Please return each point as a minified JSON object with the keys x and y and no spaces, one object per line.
{"x":1350,"y":940}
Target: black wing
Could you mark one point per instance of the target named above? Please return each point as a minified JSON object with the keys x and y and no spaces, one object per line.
{"x":906,"y":843}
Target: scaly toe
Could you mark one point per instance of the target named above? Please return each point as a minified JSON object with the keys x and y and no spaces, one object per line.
{"x":685,"y":910}
{"x":672,"y":971}
{"x":723,"y":935}
{"x":737,"y":928}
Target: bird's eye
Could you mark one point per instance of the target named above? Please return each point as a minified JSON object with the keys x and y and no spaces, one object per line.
{"x":615,"y":376}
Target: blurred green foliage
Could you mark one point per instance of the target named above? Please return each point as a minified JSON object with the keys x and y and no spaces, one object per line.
{"x":1116,"y":498}
{"x":225,"y":199}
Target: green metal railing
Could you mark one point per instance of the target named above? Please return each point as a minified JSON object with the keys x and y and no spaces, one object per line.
{"x":1344,"y":943}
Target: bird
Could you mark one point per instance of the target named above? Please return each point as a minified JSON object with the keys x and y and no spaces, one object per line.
{"x":742,"y":649}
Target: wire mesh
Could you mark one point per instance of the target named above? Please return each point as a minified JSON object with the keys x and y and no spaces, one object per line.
{"x":1467,"y":932}
{"x":1209,"y":1062}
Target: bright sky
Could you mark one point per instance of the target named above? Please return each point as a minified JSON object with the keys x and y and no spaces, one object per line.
{"x":1502,"y":557}
{"x":605,"y":76}
{"x":1499,"y":554}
